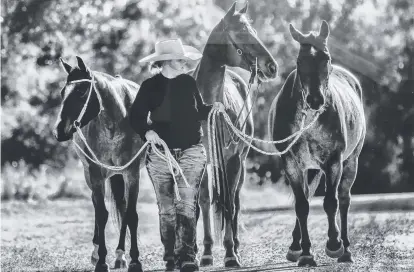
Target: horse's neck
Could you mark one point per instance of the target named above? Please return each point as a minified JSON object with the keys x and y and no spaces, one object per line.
{"x":112,"y":101}
{"x":291,"y":95}
{"x":210,"y":79}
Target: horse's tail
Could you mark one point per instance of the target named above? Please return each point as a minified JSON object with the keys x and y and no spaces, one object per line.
{"x":217,"y":214}
{"x":119,"y":193}
{"x":222,"y":200}
{"x":314,"y":178}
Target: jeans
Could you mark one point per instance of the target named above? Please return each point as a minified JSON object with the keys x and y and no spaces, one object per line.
{"x":178,"y":218}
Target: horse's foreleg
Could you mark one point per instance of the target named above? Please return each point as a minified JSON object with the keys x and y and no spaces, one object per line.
{"x":132,"y":221}
{"x":95,"y":240}
{"x":334,"y":247}
{"x":205,"y":205}
{"x":233,"y":175}
{"x":118,"y":190}
{"x":295,"y":250}
{"x":348,"y":178}
{"x":101,"y":215}
{"x":297,"y":182}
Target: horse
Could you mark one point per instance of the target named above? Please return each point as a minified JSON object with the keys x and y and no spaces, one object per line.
{"x":97,"y":104}
{"x":233,"y":42}
{"x":332,"y":97}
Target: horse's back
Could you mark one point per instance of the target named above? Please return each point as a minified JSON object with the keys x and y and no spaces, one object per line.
{"x":346,"y":102}
{"x":346,"y":94}
{"x":131,"y":88}
{"x":344,"y":75}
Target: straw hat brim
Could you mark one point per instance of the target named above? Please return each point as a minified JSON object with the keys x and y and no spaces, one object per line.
{"x":190,"y":53}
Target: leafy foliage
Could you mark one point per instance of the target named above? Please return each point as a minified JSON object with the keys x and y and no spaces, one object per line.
{"x":112,"y":35}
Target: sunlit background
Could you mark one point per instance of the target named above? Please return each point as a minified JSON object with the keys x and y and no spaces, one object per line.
{"x":374,"y":39}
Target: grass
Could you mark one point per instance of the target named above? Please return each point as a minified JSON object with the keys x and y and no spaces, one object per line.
{"x":56,"y":236}
{"x":44,"y":235}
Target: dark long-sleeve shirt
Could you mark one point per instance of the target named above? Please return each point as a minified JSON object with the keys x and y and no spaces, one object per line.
{"x":176,"y":110}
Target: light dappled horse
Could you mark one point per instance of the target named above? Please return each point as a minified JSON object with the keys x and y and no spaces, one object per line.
{"x":330,"y":147}
{"x":233,"y":42}
{"x":106,"y":128}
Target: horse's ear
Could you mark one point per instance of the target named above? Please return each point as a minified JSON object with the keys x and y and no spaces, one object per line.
{"x":296,"y":34}
{"x":244,"y":9}
{"x":231,"y":11}
{"x":81,"y":64}
{"x":324,"y":30}
{"x":66,"y":66}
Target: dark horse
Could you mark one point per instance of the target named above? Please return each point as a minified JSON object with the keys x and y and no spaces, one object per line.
{"x":107,"y":132}
{"x":233,"y":42}
{"x":330,"y":147}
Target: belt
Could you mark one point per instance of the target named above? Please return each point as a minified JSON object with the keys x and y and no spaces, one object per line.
{"x":176,"y":152}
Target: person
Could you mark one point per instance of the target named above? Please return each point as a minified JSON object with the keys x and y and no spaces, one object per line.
{"x":175,"y":108}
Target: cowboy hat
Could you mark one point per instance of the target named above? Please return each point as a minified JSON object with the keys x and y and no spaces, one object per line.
{"x":172,"y":49}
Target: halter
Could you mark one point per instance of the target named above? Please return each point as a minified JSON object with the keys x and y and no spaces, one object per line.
{"x":305,"y":93}
{"x":239,"y":51}
{"x":92,"y":87}
{"x":253,"y":75}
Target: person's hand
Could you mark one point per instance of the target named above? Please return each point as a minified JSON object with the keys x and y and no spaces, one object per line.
{"x":153,"y":137}
{"x":219,"y":106}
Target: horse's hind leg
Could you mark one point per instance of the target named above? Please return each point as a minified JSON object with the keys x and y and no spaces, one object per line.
{"x":118,"y":190}
{"x":237,"y":209}
{"x":334,"y":247}
{"x":205,"y":205}
{"x":348,"y":178}
{"x":233,"y":176}
{"x":297,"y":182}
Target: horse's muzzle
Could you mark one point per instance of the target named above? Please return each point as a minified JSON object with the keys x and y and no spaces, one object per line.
{"x":62,"y":137}
{"x":315,"y":102}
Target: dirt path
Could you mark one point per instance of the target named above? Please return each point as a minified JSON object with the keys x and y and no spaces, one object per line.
{"x":56,"y":236}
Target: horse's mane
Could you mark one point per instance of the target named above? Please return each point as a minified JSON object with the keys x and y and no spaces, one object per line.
{"x":110,"y":81}
{"x":122,"y":90}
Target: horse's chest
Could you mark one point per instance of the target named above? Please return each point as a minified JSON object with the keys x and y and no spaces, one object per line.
{"x":317,"y":145}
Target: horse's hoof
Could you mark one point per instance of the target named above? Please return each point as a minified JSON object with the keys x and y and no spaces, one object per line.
{"x":120,"y":261}
{"x":94,"y":260}
{"x":346,"y":258}
{"x":231,"y":262}
{"x":170,"y":265}
{"x":135,"y":267}
{"x":206,"y":260}
{"x":120,"y":264}
{"x":293,"y":255}
{"x":95,"y":255}
{"x":306,"y":261}
{"x":335,"y":253}
{"x":102,"y":267}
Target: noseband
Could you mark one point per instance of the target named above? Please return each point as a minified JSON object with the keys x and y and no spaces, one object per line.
{"x":77,"y":122}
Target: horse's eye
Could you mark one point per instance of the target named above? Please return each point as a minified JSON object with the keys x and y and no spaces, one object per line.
{"x":83,"y":94}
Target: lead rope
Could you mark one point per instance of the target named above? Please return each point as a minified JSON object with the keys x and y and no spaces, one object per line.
{"x":244,"y":137}
{"x":173,"y":165}
{"x":249,"y":88}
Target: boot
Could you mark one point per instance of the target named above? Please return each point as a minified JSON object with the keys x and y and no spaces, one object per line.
{"x":167,"y":231}
{"x":186,"y":235}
